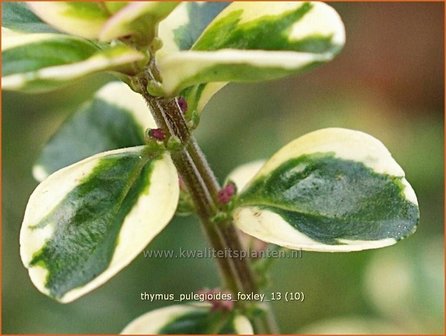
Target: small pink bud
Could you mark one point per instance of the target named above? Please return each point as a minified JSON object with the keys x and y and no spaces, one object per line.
{"x":157,"y":134}
{"x":182,"y":103}
{"x":226,"y":193}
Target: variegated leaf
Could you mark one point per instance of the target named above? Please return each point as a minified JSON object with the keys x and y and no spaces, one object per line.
{"x":41,"y":62}
{"x":251,"y":42}
{"x":86,"y":222}
{"x":115,"y":118}
{"x":139,"y":19}
{"x":331,"y":190}
{"x":84,"y":19}
{"x":186,"y":319}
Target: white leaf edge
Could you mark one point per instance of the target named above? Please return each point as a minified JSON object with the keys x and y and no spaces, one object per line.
{"x":177,"y":18}
{"x":116,"y":26}
{"x":100,"y":61}
{"x":13,"y":39}
{"x":86,"y":28}
{"x":137,"y":230}
{"x":270,"y":227}
{"x":177,"y":68}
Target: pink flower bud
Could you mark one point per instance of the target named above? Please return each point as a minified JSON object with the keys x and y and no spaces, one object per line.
{"x":157,"y":134}
{"x":226,"y":193}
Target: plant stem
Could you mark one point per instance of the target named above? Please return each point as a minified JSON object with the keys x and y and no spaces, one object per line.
{"x":203,"y":188}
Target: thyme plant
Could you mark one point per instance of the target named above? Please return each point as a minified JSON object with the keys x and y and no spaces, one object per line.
{"x":113,"y":176}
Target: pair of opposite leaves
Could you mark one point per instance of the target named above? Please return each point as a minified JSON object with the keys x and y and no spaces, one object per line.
{"x":204,"y":45}
{"x":330,"y":190}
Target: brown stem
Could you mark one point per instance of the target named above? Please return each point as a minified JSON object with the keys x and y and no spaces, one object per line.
{"x":203,"y":188}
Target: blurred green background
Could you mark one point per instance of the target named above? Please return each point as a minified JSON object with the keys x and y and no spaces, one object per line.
{"x":388,"y":82}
